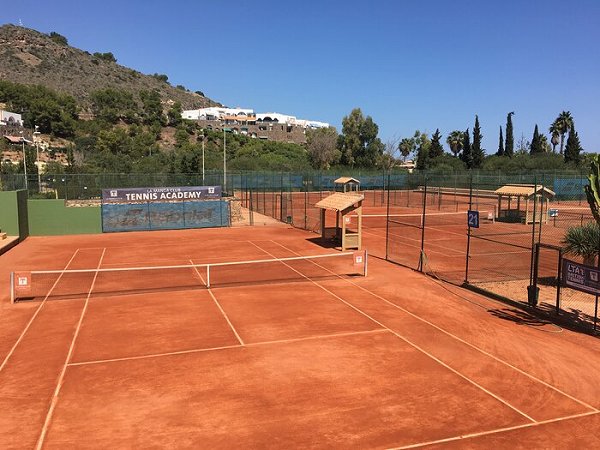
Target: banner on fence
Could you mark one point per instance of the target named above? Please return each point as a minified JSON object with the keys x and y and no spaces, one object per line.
{"x":161,"y":194}
{"x":581,"y":277}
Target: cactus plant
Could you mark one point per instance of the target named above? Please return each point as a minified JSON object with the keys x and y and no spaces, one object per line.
{"x":592,"y":189}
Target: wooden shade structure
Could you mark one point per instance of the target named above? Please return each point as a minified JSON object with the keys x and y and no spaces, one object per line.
{"x":346,"y":205}
{"x":347,"y":184}
{"x":530,"y":193}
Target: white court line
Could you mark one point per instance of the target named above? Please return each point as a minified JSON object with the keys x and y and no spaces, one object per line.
{"x":495,"y":358}
{"x":227,"y":347}
{"x":59,"y":383}
{"x":219,"y":306}
{"x":499,"y":430}
{"x":409,"y":342}
{"x":22,"y":335}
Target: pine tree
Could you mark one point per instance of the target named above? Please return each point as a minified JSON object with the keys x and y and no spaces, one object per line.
{"x":466,"y":155}
{"x":536,"y":142}
{"x":500,"y":151}
{"x":573,"y":149}
{"x":436,"y":149}
{"x":422,"y":162}
{"x":509,"y":147}
{"x":476,"y":150}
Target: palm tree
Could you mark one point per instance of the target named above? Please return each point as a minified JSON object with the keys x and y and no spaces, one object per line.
{"x":555,"y":136}
{"x":582,"y":241}
{"x":455,"y":141}
{"x":561,"y":126}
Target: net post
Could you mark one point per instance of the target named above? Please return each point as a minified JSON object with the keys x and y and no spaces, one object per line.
{"x":365,"y":268}
{"x":12,"y":287}
{"x":208,"y":276}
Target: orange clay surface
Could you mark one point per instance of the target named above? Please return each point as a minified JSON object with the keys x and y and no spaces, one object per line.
{"x":390,"y":360}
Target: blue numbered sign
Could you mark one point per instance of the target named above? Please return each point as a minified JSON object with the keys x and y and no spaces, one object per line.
{"x":473,"y":219}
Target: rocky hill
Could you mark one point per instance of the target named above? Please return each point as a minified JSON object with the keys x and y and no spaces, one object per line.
{"x":30,"y":57}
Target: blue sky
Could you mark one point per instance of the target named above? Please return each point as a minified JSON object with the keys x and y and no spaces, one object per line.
{"x":408,"y":64}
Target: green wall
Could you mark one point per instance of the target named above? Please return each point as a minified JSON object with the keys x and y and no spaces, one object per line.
{"x":52,"y":217}
{"x":9,"y":213}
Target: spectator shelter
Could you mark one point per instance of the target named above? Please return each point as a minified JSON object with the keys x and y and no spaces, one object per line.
{"x":347,"y":184}
{"x":535,"y":197}
{"x":346,"y":206}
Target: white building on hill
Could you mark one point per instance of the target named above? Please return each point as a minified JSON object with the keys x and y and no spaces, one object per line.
{"x":10,"y":118}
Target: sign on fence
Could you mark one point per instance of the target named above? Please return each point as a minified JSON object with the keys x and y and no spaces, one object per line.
{"x":581,"y":277}
{"x":161,"y":194}
{"x":473,"y":219}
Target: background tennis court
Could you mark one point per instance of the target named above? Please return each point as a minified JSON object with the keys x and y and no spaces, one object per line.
{"x":393,"y":359}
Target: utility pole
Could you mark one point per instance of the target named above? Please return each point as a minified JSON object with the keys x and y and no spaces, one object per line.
{"x":24,"y":161}
{"x":36,"y":136}
{"x":224,"y":160}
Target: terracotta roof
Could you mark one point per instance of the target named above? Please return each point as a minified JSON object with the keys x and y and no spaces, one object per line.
{"x":524,"y":190}
{"x":340,"y":201}
{"x":344,"y":180}
{"x":17,"y":139}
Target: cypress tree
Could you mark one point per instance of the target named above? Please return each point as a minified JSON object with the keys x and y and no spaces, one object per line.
{"x":500,"y":151}
{"x":509,"y":147}
{"x":476,"y":150}
{"x":536,"y":142}
{"x":466,"y":155}
{"x":436,"y":149}
{"x":573,"y":149}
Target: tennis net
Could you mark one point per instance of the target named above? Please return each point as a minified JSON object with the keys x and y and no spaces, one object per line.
{"x":418,"y":220}
{"x":81,"y":283}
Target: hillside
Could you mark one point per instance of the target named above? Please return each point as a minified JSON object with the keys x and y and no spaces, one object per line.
{"x":30,"y":57}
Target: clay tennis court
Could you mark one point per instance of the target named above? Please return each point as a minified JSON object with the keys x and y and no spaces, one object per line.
{"x":291,"y":356}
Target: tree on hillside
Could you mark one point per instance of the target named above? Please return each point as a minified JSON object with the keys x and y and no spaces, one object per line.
{"x":573,"y":149}
{"x":562,"y":124}
{"x":466,"y":155}
{"x":58,"y":38}
{"x":455,"y":141}
{"x":536,"y":142}
{"x":509,"y":146}
{"x":436,"y":150}
{"x":113,"y":105}
{"x":359,"y":143}
{"x":477,"y":154}
{"x":152,"y":108}
{"x":321,"y":146}
{"x":174,"y":115}
{"x":500,"y":151}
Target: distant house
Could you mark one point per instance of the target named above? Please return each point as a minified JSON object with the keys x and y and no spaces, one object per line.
{"x":8,"y":118}
{"x":269,"y":126}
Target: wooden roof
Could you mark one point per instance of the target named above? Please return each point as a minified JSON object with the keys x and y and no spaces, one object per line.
{"x":340,"y":201}
{"x":344,"y":180}
{"x":524,"y":190}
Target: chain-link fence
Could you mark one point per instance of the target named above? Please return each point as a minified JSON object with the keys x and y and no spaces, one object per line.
{"x":417,"y":220}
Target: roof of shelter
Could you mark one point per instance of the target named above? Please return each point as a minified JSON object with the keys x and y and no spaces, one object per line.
{"x":524,"y":190}
{"x":17,"y":139}
{"x":340,"y":201}
{"x":344,"y":180}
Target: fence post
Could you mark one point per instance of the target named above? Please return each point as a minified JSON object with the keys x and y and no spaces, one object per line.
{"x":387,"y":220}
{"x":422,"y":255}
{"x":469,"y":230}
